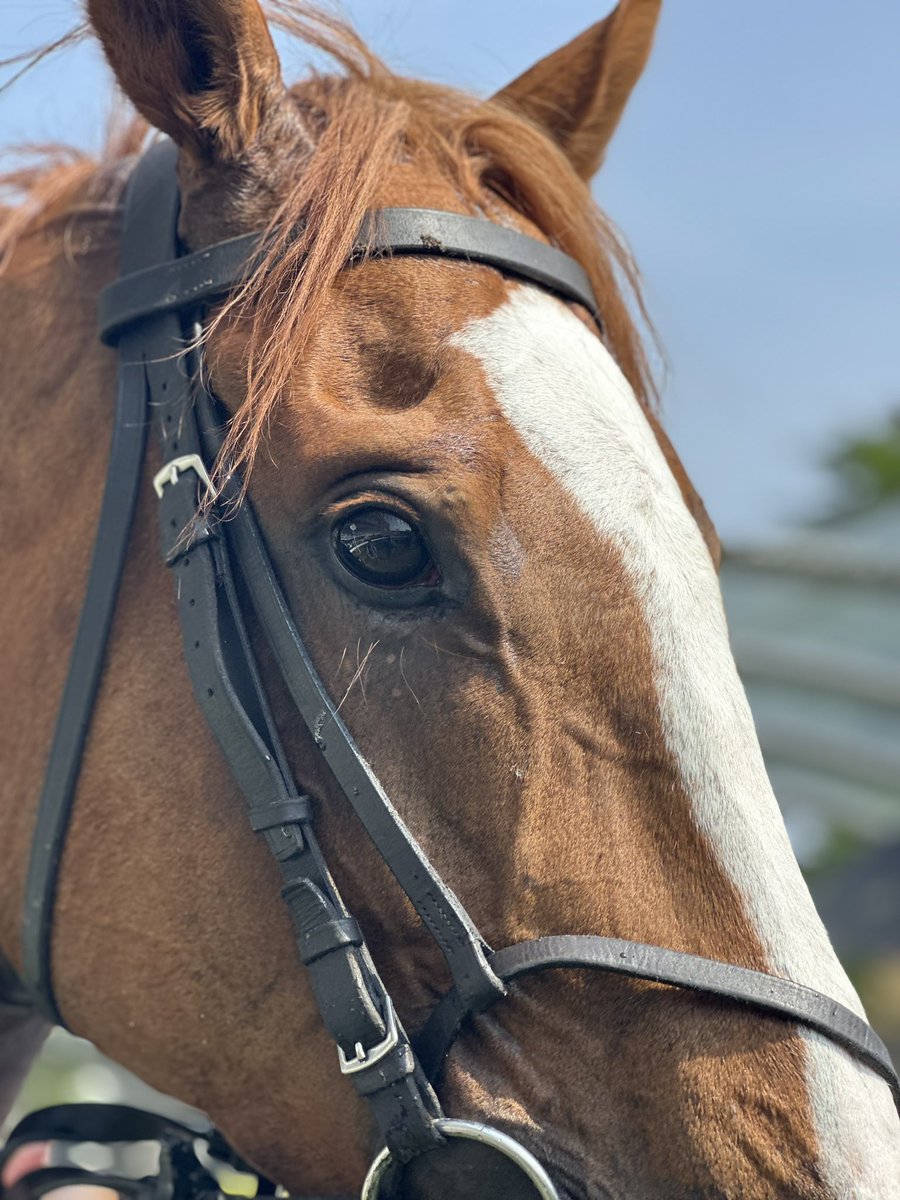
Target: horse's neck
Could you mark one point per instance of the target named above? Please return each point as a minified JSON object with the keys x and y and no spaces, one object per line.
{"x":57,"y":391}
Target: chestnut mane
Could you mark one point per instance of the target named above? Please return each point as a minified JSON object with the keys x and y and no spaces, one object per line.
{"x":360,"y":120}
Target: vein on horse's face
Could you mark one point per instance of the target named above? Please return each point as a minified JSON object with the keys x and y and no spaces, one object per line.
{"x":560,"y":389}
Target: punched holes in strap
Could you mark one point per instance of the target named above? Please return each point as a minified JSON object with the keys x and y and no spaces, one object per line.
{"x":185,"y":540}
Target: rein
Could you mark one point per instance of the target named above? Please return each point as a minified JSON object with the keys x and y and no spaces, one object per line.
{"x":213,"y":545}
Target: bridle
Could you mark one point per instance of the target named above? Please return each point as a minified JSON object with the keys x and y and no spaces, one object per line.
{"x":218,"y":557}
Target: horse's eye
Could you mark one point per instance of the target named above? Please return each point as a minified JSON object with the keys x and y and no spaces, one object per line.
{"x":380,"y":547}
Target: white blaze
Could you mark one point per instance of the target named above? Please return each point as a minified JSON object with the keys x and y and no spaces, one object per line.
{"x":560,"y":389}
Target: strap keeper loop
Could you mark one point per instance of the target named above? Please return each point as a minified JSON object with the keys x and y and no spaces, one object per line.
{"x":340,"y":933}
{"x":282,"y":812}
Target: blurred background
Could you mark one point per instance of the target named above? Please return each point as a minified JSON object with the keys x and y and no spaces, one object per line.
{"x":757,"y":180}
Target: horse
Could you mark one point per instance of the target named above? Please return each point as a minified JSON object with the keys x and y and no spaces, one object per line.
{"x":540,"y":674}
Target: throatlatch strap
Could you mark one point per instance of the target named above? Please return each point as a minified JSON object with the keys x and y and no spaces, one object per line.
{"x":149,"y":199}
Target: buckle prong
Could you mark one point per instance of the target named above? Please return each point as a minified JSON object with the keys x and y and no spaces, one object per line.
{"x":363,"y":1058}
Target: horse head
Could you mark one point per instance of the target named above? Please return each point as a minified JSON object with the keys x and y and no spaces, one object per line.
{"x":508,"y":584}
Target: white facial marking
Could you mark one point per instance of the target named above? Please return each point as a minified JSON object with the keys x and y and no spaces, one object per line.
{"x":560,"y":389}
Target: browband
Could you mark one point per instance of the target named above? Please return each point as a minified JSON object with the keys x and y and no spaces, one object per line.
{"x":197,"y":278}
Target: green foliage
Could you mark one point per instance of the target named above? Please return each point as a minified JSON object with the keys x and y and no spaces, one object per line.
{"x":870,"y":466}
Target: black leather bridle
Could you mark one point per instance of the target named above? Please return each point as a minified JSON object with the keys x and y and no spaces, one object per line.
{"x":152,"y":314}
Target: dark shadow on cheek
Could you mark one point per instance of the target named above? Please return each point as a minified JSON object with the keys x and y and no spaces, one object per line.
{"x":461,"y":1171}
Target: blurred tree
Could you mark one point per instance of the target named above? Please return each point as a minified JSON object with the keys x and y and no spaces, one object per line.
{"x":870,"y":466}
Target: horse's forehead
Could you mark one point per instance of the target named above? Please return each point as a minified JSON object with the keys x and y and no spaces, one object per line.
{"x":407,"y":366}
{"x":383,"y":371}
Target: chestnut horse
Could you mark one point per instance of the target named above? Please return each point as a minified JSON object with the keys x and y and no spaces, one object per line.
{"x":555,"y":710}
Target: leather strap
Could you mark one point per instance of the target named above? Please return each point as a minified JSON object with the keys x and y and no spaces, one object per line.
{"x":437,"y":904}
{"x":22,"y":1033}
{"x":352,"y":999}
{"x":147,"y":192}
{"x":197,"y":278}
{"x":767,"y":993}
{"x":280,"y":812}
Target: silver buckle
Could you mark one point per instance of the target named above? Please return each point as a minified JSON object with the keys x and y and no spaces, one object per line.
{"x":177,"y":466}
{"x":363,"y":1058}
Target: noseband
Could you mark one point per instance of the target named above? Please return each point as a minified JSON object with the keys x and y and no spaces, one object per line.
{"x":218,"y":557}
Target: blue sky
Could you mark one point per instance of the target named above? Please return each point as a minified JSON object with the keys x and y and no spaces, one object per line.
{"x":756,"y":176}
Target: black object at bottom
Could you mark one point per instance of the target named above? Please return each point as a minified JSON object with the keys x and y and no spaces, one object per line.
{"x":181,"y":1174}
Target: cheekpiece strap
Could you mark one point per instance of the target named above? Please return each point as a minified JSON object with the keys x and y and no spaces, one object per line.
{"x":150,"y":205}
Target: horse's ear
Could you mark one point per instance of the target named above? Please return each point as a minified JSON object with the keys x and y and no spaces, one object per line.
{"x":578,"y":93}
{"x":203,"y":71}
